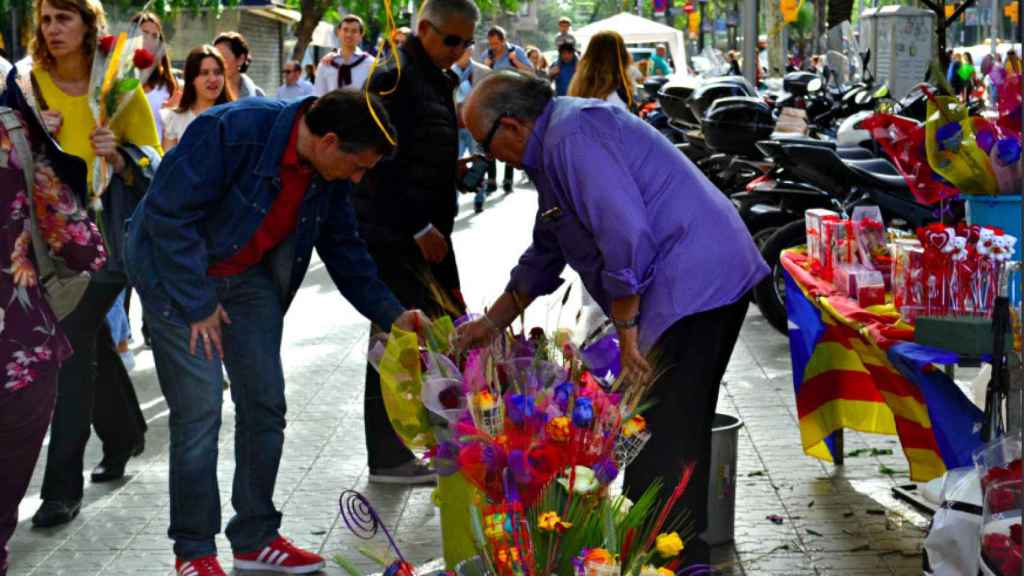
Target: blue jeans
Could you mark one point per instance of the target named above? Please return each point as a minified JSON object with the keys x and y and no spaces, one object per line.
{"x":117,"y":319}
{"x":194,"y":389}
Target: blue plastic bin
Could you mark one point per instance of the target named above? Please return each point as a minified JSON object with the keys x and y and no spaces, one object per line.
{"x":1004,"y":212}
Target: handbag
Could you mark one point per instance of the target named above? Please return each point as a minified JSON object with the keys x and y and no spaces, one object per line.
{"x":62,"y":286}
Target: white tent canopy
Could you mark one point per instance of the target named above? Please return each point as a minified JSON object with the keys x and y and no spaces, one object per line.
{"x":637,"y":30}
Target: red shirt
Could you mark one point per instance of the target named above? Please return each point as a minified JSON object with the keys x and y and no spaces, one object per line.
{"x":280,"y":221}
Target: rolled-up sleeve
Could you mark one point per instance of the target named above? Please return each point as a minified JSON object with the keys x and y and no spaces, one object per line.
{"x":540,"y":268}
{"x":608,"y":202}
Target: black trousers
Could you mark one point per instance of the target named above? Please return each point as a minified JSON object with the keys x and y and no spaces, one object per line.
{"x":492,"y":172}
{"x":94,"y":388}
{"x":416,"y":284}
{"x":693,"y":355}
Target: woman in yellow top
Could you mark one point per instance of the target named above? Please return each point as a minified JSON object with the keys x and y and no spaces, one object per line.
{"x":93,"y":385}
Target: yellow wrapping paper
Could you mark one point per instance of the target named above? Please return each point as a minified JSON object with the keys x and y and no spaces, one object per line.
{"x":967,"y":167}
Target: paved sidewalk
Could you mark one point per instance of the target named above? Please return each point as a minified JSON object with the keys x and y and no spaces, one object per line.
{"x":834,"y":521}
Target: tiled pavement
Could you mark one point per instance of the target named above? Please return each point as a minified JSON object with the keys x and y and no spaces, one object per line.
{"x":835,"y":520}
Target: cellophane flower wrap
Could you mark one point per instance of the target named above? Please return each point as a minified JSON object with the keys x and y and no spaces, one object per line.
{"x":122,"y":63}
{"x":542,"y":437}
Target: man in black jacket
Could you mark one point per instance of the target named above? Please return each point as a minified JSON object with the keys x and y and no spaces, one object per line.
{"x":407,"y":205}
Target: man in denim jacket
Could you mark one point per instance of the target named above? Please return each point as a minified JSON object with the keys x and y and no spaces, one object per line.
{"x":217,"y":249}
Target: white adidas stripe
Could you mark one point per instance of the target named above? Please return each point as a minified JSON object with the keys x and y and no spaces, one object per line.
{"x":272,"y":559}
{"x":263,"y":554}
{"x":188,"y":570}
{"x":282,"y":558}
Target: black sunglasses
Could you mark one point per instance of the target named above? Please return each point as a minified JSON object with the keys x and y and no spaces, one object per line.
{"x":452,"y":40}
{"x":486,"y":144}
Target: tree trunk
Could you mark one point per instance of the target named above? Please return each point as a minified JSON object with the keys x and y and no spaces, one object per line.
{"x":312,"y":12}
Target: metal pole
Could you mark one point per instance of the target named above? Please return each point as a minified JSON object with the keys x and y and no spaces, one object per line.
{"x":748,"y":21}
{"x":994,"y":20}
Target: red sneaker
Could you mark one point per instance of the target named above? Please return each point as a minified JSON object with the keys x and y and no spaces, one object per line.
{"x":280,"y":556}
{"x":205,"y":566}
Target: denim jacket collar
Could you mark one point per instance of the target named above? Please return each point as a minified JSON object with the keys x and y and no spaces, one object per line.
{"x":270,"y":161}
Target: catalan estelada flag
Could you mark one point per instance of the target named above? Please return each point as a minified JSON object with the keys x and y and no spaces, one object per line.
{"x":854,"y":368}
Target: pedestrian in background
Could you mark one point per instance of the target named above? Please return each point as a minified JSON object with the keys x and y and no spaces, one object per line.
{"x":469,"y":72}
{"x":161,"y":85}
{"x":503,"y":55}
{"x":94,"y":388}
{"x":659,"y":64}
{"x":611,"y":182}
{"x":537,"y":60}
{"x":348,"y":68}
{"x":407,"y":206}
{"x":401,"y":35}
{"x":732,"y":57}
{"x":205,"y":86}
{"x":217,"y":250}
{"x":295,"y":86}
{"x":34,"y":344}
{"x":565,"y":35}
{"x":237,"y":58}
{"x":603,"y":72}
{"x":310,"y":71}
{"x":1013,"y":65}
{"x":563,"y":71}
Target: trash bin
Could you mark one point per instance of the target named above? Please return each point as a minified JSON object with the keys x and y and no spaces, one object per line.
{"x":722,"y":481}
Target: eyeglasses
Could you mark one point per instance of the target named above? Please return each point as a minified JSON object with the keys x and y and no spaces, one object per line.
{"x":290,"y":70}
{"x":486,"y":144}
{"x":452,"y":40}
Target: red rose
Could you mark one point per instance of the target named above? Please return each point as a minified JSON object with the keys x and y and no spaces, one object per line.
{"x":107,"y":43}
{"x":143,"y":59}
{"x":449,"y":398}
{"x":1015,"y":535}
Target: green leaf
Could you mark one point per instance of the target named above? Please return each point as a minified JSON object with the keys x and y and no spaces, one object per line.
{"x":127,"y":85}
{"x":346,"y":565}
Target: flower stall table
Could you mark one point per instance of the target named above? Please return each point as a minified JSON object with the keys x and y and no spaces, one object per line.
{"x":858,"y":368}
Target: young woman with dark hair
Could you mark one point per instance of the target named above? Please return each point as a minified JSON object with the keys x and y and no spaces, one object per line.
{"x":204,"y":87}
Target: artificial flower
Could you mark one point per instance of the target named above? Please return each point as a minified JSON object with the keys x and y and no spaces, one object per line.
{"x":143,"y":59}
{"x":399,"y":568}
{"x":650,"y":570}
{"x":605,"y":471}
{"x":550,"y":522}
{"x":583,"y":413}
{"x":144,"y":162}
{"x":634,"y":426}
{"x":484,"y":400}
{"x":598,"y":556}
{"x":584,"y":481}
{"x":558,"y":429}
{"x":106,"y":43}
{"x":668,"y":545}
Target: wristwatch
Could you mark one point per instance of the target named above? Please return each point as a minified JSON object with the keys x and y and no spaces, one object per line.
{"x":627,"y":324}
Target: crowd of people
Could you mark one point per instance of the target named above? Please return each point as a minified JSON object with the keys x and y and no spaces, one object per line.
{"x":217,"y":197}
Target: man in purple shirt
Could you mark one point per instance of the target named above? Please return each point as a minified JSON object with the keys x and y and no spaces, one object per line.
{"x":658,"y":247}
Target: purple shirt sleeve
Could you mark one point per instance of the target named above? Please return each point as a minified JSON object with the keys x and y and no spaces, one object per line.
{"x":540,"y":267}
{"x":609,"y":204}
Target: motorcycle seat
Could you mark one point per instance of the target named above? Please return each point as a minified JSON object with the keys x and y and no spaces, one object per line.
{"x":791,"y":138}
{"x":854,"y":153}
{"x":878,"y":170}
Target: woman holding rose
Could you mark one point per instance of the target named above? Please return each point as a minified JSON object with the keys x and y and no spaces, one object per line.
{"x":93,"y":385}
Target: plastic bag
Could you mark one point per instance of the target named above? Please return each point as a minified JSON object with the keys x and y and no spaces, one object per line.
{"x":952,"y":544}
{"x":903,"y":141}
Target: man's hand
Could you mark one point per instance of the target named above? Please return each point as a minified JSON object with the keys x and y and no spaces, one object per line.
{"x":413,"y":321}
{"x":327,"y":59}
{"x":554,"y":71}
{"x":104,"y":144}
{"x":209,"y":331}
{"x":635,"y":368}
{"x":53,"y":121}
{"x":475,"y":334}
{"x":489,"y":62}
{"x":432,"y":245}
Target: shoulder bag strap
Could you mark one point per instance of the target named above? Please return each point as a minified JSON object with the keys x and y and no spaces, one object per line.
{"x":16,"y":131}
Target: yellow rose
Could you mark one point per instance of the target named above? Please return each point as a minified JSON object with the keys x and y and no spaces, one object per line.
{"x":144,"y":161}
{"x":665,"y":572}
{"x":668,"y":545}
{"x":558,"y":429}
{"x":550,"y":522}
{"x":634,"y":426}
{"x":650,"y":570}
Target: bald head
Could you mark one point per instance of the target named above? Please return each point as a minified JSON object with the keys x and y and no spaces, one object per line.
{"x":521,"y":96}
{"x":501,"y":111}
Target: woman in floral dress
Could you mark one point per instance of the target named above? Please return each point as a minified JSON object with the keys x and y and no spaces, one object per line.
{"x":32,"y":345}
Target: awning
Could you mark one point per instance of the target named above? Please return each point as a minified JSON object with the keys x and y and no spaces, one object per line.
{"x":283,"y":15}
{"x":324,"y":36}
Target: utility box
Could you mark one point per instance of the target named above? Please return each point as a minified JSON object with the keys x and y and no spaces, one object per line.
{"x":902,"y":44}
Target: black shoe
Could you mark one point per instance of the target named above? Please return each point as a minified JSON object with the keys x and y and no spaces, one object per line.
{"x":56,"y":512}
{"x":491,"y":186}
{"x":112,"y":467}
{"x":507,"y":186}
{"x":109,"y":469}
{"x":478,"y":207}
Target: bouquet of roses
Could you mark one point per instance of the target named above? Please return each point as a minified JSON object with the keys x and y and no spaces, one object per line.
{"x":121,"y":64}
